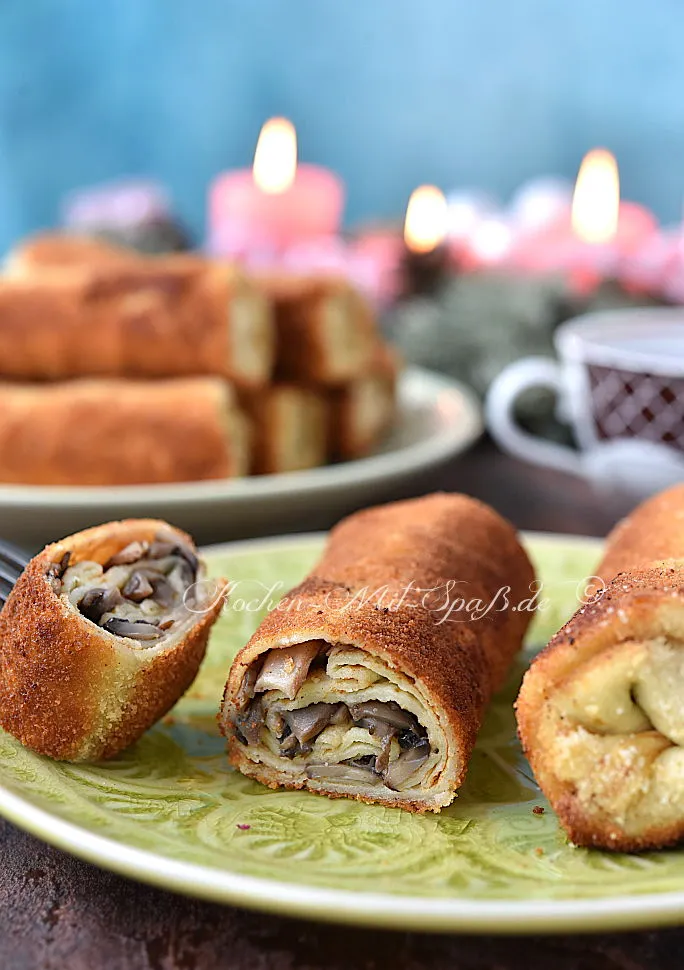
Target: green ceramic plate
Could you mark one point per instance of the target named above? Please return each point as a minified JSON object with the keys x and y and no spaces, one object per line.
{"x":171,"y":812}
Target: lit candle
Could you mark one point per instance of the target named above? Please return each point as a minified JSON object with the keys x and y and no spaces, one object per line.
{"x":277,"y":204}
{"x":425,"y":229}
{"x":591,"y":239}
{"x":595,"y":218}
{"x":607,"y":230}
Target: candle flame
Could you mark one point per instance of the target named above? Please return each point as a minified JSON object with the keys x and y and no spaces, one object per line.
{"x":596,"y":201}
{"x":275,"y":158}
{"x":426,"y":219}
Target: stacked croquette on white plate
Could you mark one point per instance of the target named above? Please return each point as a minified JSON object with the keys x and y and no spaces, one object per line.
{"x":209,"y":373}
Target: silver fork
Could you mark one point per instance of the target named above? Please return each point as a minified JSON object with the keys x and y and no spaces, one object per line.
{"x":12,"y":563}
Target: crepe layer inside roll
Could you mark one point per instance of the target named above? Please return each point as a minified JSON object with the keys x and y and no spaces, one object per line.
{"x":348,"y":722}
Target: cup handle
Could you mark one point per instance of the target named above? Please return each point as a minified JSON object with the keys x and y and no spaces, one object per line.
{"x":499,"y":412}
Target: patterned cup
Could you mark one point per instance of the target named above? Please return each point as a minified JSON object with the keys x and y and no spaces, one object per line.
{"x":620,"y":384}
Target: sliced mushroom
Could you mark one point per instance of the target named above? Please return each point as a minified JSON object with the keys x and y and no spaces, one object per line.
{"x":288,"y":748}
{"x":162,"y":591}
{"x":189,"y":556}
{"x":341,"y":715}
{"x":96,"y":602}
{"x":56,"y":570}
{"x":129,"y":554}
{"x":137,"y":594}
{"x":406,"y":764}
{"x":308,"y":722}
{"x":343,"y":772}
{"x":388,"y":711}
{"x":134,"y":629}
{"x":63,"y":564}
{"x":160,"y":549}
{"x":382,"y":760}
{"x":180,"y":576}
{"x":285,"y":668}
{"x":376,"y":727}
{"x":251,"y":721}
{"x":409,"y":739}
{"x":246,"y":690}
{"x":138,"y":587}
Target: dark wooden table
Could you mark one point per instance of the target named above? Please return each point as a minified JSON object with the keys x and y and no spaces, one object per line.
{"x":61,"y":914}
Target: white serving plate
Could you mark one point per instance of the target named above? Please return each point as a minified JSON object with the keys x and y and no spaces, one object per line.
{"x":438,"y":419}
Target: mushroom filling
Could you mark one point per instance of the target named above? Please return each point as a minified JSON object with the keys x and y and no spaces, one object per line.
{"x":140,"y":593}
{"x":355,"y":740}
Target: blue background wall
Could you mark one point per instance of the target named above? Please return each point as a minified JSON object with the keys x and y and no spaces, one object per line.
{"x":389,"y":92}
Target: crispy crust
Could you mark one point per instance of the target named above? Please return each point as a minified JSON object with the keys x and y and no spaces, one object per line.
{"x":133,"y":317}
{"x":325,"y":329}
{"x":643,"y":600}
{"x":289,"y":428}
{"x":363,"y":410}
{"x":47,"y":251}
{"x":457,"y":665}
{"x":652,"y":532}
{"x":109,"y":432}
{"x":68,"y":689}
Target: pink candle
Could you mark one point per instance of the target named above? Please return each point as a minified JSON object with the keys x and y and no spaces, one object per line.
{"x":656,"y":263}
{"x":591,"y":261}
{"x":275,"y":205}
{"x":591,"y":239}
{"x":491,"y":244}
{"x":377,"y":256}
{"x":371,"y":261}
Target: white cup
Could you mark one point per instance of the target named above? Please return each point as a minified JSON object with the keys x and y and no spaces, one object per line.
{"x":620,"y":384}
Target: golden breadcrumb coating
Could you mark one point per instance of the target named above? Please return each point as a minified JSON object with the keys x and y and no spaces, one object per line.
{"x":375,"y":600}
{"x":600,"y":713}
{"x":68,"y":688}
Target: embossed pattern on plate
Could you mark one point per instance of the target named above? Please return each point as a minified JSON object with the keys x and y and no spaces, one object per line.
{"x":171,"y":811}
